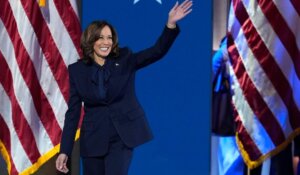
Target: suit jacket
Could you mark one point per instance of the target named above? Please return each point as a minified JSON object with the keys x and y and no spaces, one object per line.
{"x":121,"y":106}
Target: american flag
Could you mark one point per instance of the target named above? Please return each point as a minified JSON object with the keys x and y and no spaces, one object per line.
{"x":38,"y":41}
{"x":263,"y":44}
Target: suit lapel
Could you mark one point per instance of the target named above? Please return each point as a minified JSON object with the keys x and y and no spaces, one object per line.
{"x":116,"y":80}
{"x":93,"y":81}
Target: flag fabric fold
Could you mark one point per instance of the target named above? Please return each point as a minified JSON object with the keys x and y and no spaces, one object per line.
{"x":37,"y":45}
{"x":263,"y":46}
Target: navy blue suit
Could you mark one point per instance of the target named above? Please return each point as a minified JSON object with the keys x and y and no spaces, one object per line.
{"x":121,"y":108}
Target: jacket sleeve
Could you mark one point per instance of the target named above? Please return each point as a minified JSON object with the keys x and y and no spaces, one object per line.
{"x":71,"y":118}
{"x":158,"y":50}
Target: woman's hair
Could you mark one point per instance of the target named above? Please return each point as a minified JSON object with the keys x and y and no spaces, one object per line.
{"x":92,"y":34}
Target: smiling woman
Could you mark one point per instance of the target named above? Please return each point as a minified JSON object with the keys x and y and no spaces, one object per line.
{"x":102,"y":46}
{"x":114,"y":122}
{"x":98,"y":41}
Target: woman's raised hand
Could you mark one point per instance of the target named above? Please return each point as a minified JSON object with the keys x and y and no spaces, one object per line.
{"x":178,"y":12}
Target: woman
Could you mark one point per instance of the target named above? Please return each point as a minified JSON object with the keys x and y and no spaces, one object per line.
{"x":114,"y":122}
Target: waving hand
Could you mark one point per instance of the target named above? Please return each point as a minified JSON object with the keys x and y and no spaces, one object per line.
{"x":178,"y":12}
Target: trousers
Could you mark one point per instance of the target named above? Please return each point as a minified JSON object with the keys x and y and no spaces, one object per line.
{"x":115,"y":162}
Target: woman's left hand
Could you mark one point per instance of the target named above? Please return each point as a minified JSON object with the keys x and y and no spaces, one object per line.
{"x":178,"y":12}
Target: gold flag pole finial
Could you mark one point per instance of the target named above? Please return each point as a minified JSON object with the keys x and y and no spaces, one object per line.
{"x":42,"y":3}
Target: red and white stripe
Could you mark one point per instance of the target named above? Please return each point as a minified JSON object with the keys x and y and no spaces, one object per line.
{"x":263,"y":44}
{"x":37,"y":45}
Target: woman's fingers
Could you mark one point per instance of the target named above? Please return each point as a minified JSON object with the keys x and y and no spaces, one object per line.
{"x":61,"y":163}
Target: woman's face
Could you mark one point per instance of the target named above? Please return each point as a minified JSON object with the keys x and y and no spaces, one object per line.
{"x":103,"y":46}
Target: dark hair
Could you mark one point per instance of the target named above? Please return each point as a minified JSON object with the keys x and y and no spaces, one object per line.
{"x":92,"y":34}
